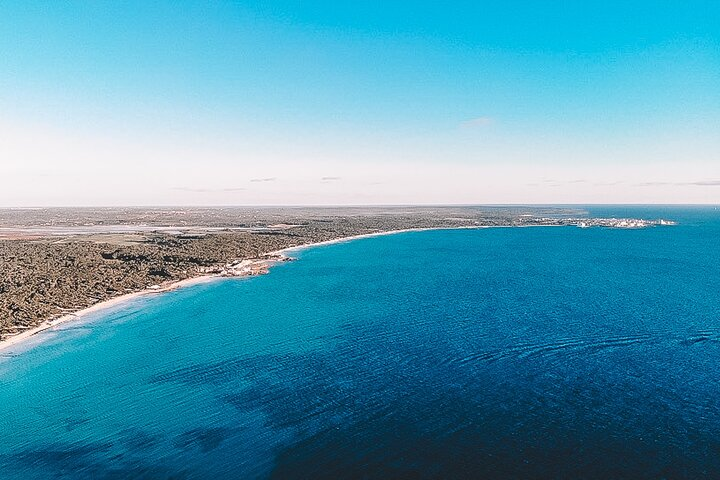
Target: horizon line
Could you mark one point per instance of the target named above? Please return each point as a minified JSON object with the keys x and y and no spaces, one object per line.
{"x":367,"y":205}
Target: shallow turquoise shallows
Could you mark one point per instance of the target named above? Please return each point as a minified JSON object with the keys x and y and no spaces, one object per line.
{"x":552,"y":352}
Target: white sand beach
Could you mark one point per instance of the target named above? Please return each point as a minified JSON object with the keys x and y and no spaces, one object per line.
{"x":251,"y":267}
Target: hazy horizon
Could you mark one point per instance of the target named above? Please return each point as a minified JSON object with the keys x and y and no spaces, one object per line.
{"x":359,"y":205}
{"x":317,"y":103}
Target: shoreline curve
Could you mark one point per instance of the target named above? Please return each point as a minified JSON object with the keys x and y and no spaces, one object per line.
{"x":19,"y":338}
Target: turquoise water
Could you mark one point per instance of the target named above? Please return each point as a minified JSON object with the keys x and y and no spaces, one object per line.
{"x":493,"y":353}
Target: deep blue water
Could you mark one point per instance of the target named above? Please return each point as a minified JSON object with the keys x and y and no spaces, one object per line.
{"x":493,"y":353}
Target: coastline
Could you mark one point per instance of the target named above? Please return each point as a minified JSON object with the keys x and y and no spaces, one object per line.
{"x":21,"y":337}
{"x":16,"y":339}
{"x":304,"y":246}
{"x":251,"y":267}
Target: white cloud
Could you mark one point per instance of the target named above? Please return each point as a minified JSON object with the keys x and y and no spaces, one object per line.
{"x":697,"y":183}
{"x":209,"y":190}
{"x":477,"y":122}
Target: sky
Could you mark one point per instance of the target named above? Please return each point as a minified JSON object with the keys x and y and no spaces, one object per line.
{"x":371,"y":102}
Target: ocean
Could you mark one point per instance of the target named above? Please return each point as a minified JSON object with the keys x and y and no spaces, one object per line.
{"x":540,"y":352}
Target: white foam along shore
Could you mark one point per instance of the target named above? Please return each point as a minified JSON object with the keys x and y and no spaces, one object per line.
{"x":13,"y":340}
{"x":250,"y":269}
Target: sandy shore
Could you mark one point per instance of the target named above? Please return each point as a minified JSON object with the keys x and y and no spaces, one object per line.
{"x":265,"y":263}
{"x":14,"y":340}
{"x":287,"y":250}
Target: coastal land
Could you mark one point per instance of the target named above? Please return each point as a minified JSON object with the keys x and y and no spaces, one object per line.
{"x":59,"y":264}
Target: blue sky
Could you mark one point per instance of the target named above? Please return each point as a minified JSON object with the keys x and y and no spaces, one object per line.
{"x":397,"y":102}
